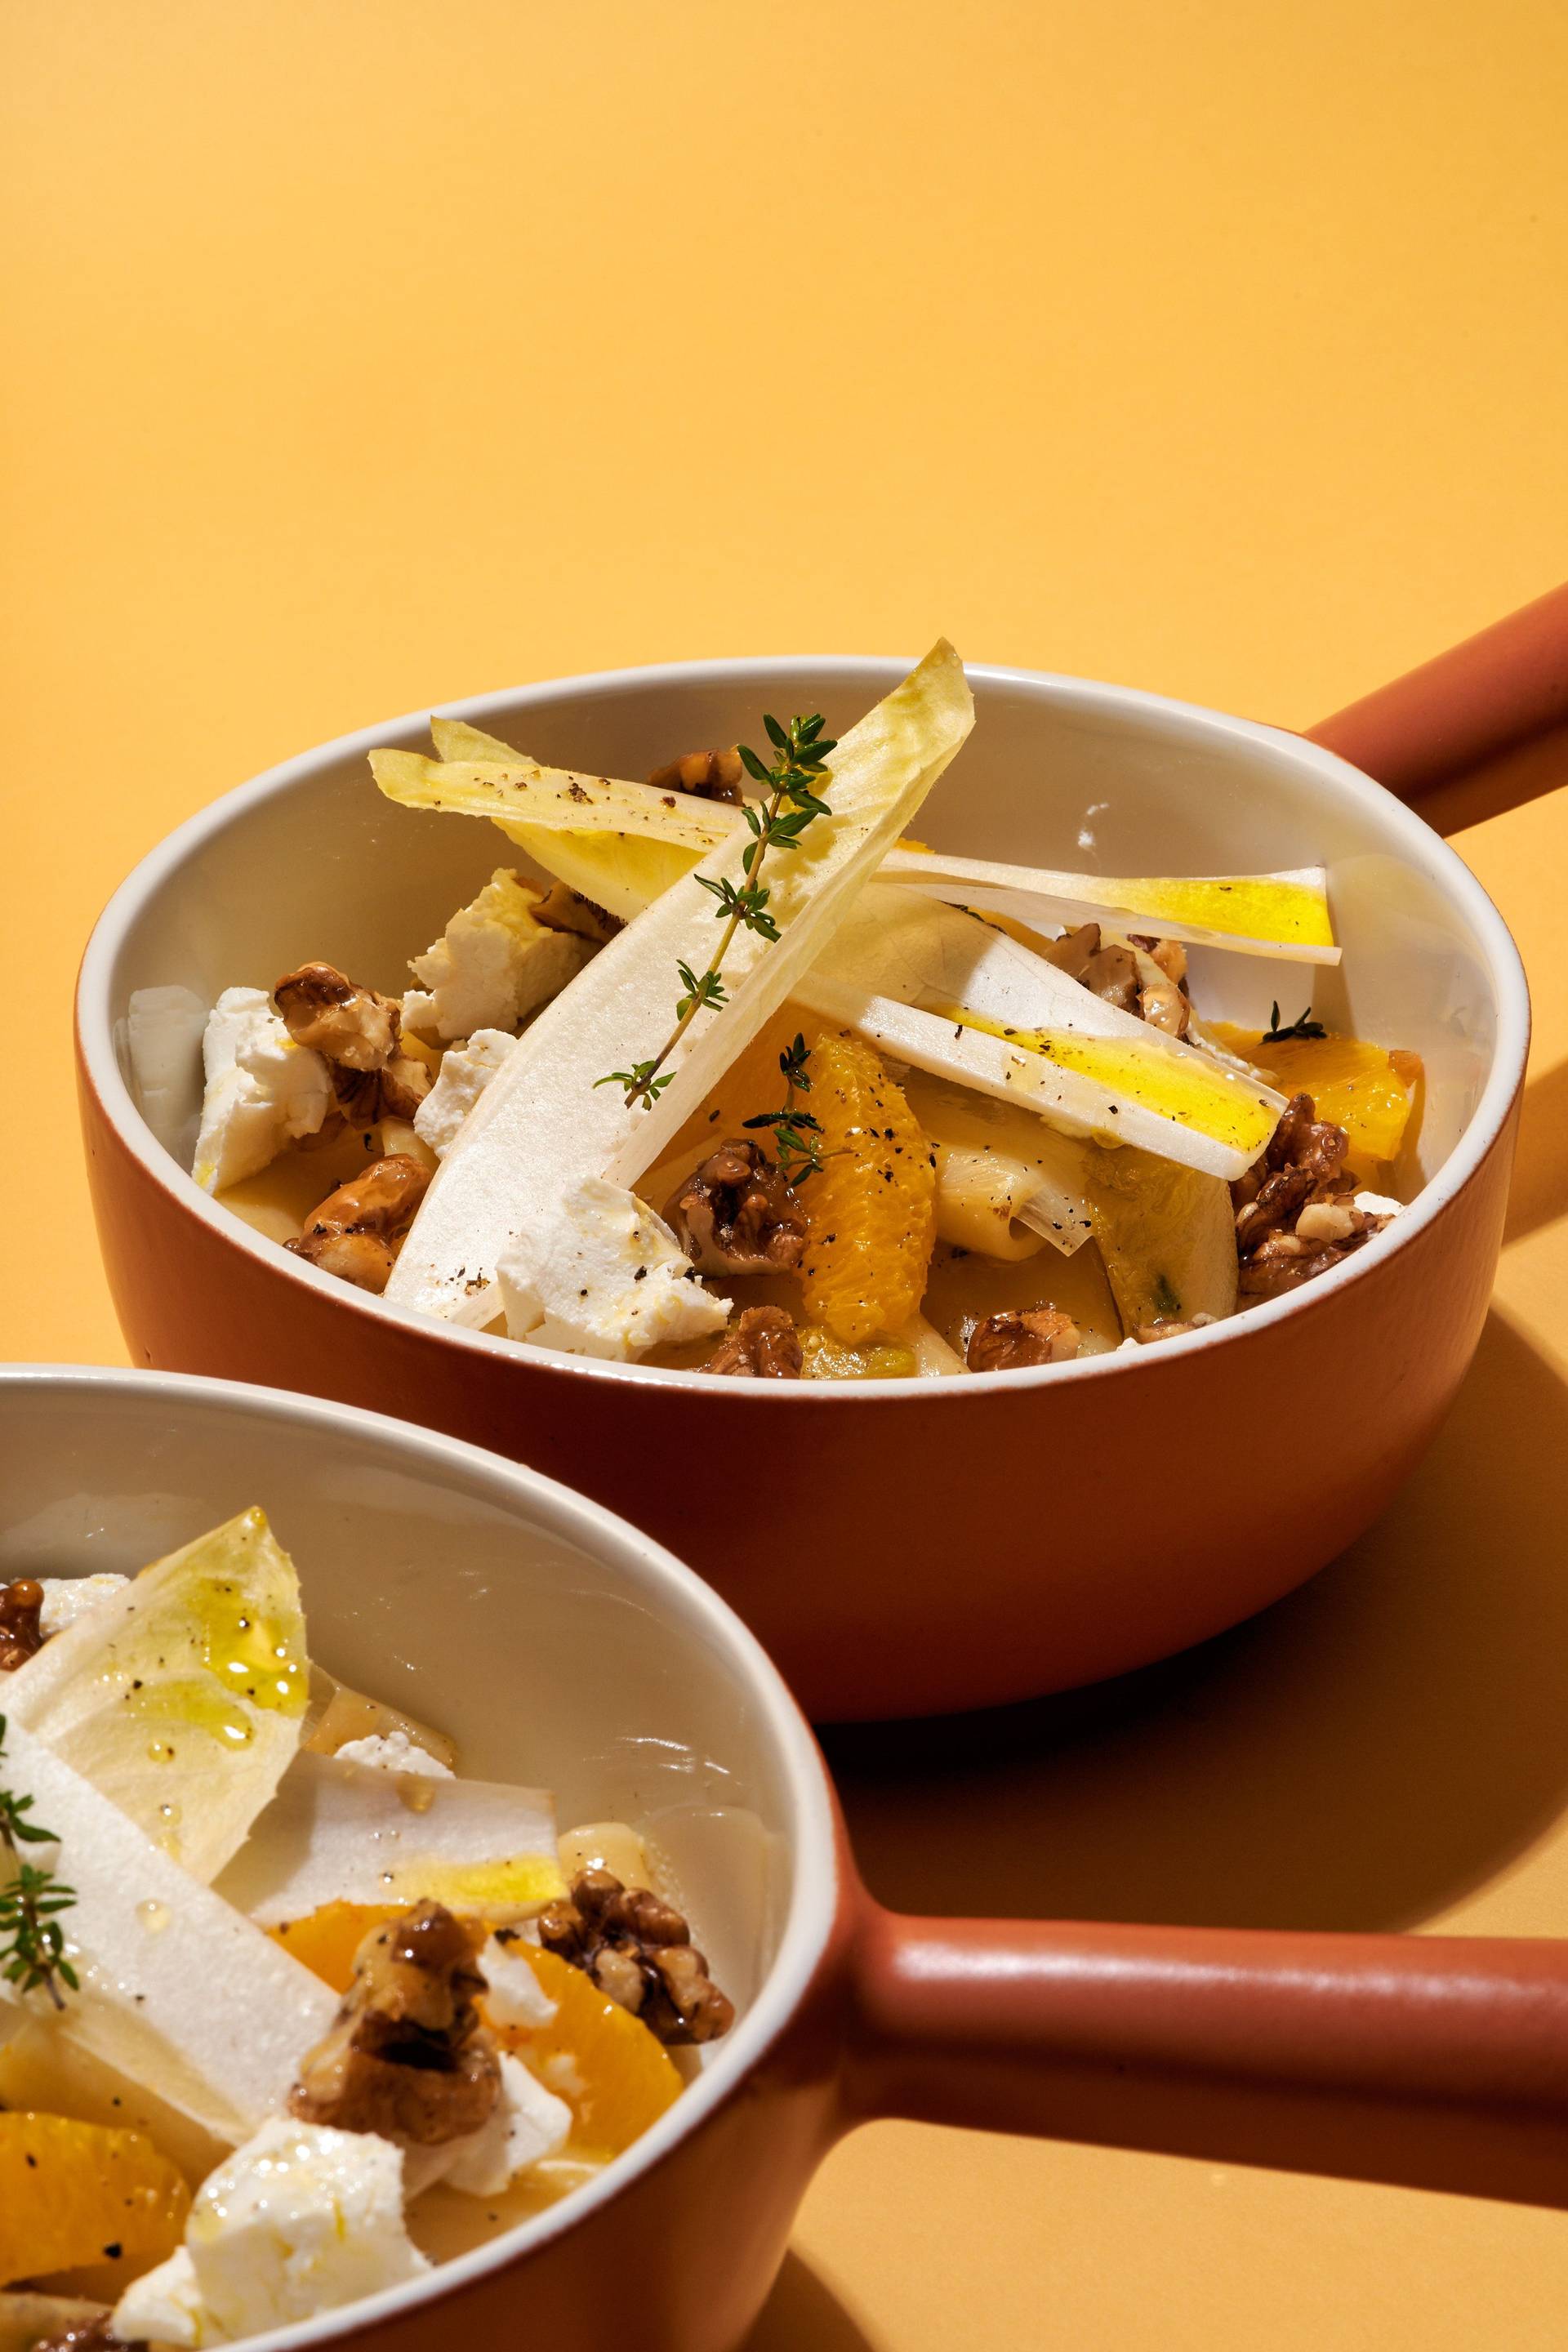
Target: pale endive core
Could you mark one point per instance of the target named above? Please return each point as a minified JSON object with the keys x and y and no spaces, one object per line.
{"x":543,"y":1122}
{"x":178,"y":1991}
{"x":1283,"y":915}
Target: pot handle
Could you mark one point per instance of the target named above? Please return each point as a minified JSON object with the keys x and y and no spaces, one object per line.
{"x":1427,"y":2062}
{"x":1476,"y":730}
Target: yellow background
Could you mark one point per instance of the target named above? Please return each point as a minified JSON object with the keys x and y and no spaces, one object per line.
{"x":361,"y":353}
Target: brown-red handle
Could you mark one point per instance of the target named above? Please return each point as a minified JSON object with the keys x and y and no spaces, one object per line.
{"x":1429,"y":2061}
{"x":1488,"y":704}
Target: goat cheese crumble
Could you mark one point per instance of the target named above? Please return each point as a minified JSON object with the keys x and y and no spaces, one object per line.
{"x":262,"y":1090}
{"x":603,"y":1276}
{"x":493,"y":965}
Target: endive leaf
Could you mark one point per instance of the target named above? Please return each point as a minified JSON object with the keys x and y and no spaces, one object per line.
{"x":1129,"y":1082}
{"x":178,"y":1991}
{"x":1284,"y":915}
{"x":543,"y":1121}
{"x":1138,"y":1090}
{"x":182,"y":1697}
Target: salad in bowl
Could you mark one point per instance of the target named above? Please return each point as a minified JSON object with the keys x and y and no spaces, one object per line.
{"x":734,"y":1075}
{"x":292,"y":2006}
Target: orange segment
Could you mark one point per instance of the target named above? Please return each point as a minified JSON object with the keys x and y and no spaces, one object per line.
{"x":326,"y":1941}
{"x":1364,"y":1088}
{"x":616,"y":2077}
{"x":871,"y":1212}
{"x":75,"y":2194}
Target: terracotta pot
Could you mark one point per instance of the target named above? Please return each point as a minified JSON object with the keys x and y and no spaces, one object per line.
{"x":968,"y":1541}
{"x":557,"y":1643}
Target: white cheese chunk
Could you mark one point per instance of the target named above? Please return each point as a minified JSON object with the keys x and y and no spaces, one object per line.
{"x":393,"y":1751}
{"x":164,"y":2306}
{"x":530,"y":2122}
{"x":262,"y":1090}
{"x":513,"y":1994}
{"x":466,"y":1071}
{"x":603,"y":1276}
{"x":493,"y":965}
{"x":1378,"y":1204}
{"x":66,"y":1598}
{"x":300,"y":2219}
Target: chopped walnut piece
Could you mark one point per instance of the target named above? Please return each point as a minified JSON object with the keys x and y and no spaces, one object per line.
{"x":562,"y":909}
{"x":407,"y":2054}
{"x":358,"y":1230}
{"x":356,"y":1028}
{"x":1168,"y":1327}
{"x":737,"y":1214}
{"x":1295,"y":1208}
{"x":21,"y":1636}
{"x":638,"y":1950}
{"x":1169,"y":954}
{"x":394,"y":1091}
{"x":1005,"y":1343}
{"x":1108,"y":972}
{"x":764,"y":1346}
{"x":706,"y":775}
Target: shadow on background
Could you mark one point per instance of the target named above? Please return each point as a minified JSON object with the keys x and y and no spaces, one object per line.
{"x":801,"y":2310}
{"x":1358,"y":1757}
{"x":1539,"y":1193}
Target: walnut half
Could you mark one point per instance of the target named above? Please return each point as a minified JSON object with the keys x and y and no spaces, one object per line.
{"x":764,"y":1346}
{"x":21,"y":1636}
{"x":1007,"y":1342}
{"x":407,"y":2054}
{"x":638,"y":1950}
{"x":358,"y":1230}
{"x":737,"y":1214}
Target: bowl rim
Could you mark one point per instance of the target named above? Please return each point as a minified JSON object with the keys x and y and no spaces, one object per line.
{"x":95,"y":1024}
{"x":674,"y":1589}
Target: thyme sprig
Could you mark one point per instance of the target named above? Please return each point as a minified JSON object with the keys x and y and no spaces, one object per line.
{"x":1303,"y":1027}
{"x":32,"y":1946}
{"x":797,"y":1135}
{"x":778,"y":822}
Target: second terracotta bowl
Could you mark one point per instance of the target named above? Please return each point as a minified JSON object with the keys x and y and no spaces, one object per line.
{"x":900,"y":1547}
{"x":557,"y":1644}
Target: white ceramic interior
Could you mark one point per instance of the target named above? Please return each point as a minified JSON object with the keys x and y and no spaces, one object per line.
{"x":556,"y":1645}
{"x":309,"y":860}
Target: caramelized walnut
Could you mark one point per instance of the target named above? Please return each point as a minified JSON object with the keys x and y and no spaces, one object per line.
{"x":638,"y":1951}
{"x":358,"y":1230}
{"x":1295,"y":1208}
{"x":736,"y":1215}
{"x":1107,"y":972}
{"x":394,"y":1091}
{"x":562,"y":909}
{"x":21,"y":1636}
{"x":764,"y":1346}
{"x":407,"y":2054}
{"x":356,"y":1028}
{"x":1005,"y":1343}
{"x":706,"y":775}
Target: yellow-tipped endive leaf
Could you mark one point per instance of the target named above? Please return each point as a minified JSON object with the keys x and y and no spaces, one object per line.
{"x":1279,"y":914}
{"x":181,"y":1697}
{"x":178,"y":1991}
{"x":347,"y":1832}
{"x":1125,"y":1075}
{"x":1141,"y":1089}
{"x":544,"y":1122}
{"x":1283,"y":915}
{"x":622,"y":872}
